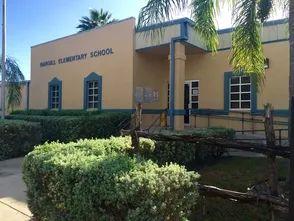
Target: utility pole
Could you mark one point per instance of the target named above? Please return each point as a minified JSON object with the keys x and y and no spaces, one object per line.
{"x":3,"y":59}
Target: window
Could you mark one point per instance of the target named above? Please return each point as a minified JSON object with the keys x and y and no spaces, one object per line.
{"x":240,"y":93}
{"x":194,"y":97}
{"x":54,"y":94}
{"x":92,"y":94}
{"x":93,"y":91}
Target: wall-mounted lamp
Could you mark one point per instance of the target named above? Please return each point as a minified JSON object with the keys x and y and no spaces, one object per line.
{"x":266,"y":63}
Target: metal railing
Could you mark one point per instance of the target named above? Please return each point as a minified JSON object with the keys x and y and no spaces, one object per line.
{"x":279,"y":137}
{"x":245,"y":117}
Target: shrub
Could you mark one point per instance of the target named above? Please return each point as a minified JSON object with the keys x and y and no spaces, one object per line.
{"x":191,"y":154}
{"x":17,"y":138}
{"x":71,"y":128}
{"x":97,"y":180}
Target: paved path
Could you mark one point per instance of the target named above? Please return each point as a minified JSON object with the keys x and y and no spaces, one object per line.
{"x":13,"y":205}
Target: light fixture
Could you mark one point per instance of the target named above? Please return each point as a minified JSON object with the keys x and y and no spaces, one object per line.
{"x":266,"y":63}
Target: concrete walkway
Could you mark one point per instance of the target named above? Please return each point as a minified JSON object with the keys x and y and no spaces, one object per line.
{"x":13,"y":205}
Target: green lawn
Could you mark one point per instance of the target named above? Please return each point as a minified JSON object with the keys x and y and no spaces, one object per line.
{"x":236,"y":173}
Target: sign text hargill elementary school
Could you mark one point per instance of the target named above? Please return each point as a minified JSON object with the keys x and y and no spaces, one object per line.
{"x":83,"y":56}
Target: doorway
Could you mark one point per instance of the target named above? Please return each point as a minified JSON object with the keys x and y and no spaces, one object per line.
{"x":191,"y":98}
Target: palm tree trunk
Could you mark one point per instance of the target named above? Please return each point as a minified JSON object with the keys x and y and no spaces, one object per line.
{"x":291,"y":108}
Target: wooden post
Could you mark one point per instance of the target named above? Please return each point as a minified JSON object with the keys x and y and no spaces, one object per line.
{"x":271,"y":143}
{"x":137,"y":127}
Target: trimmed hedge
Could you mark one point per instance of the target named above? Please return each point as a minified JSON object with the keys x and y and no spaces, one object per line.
{"x":97,"y":180}
{"x":17,"y":138}
{"x":71,"y":128}
{"x":191,"y":154}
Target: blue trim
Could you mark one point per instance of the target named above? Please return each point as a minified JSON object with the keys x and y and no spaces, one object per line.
{"x":172,"y":84}
{"x":93,"y":77}
{"x":119,"y":110}
{"x":209,"y":112}
{"x":192,"y":23}
{"x":213,"y":112}
{"x":165,"y":24}
{"x":55,"y":82}
{"x":182,"y":38}
{"x":265,"y":42}
{"x":268,"y":23}
{"x":187,"y":21}
{"x":253,"y":97}
{"x":152,"y":111}
{"x":227,"y":78}
{"x":277,"y":112}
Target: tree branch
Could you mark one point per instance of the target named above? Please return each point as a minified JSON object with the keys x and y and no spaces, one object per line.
{"x":212,"y":191}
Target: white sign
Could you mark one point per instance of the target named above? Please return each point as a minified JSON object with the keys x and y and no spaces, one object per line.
{"x":146,"y":95}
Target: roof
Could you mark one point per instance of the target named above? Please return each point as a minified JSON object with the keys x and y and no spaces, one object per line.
{"x":192,"y":23}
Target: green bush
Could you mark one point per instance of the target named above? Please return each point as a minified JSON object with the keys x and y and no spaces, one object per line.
{"x":97,"y":180}
{"x":17,"y":138}
{"x":191,"y":154}
{"x":71,"y":128}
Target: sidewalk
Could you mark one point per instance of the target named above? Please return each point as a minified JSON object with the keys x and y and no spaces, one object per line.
{"x":13,"y":205}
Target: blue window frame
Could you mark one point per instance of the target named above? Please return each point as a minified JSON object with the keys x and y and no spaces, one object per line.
{"x":93,"y":92}
{"x":55,"y":94}
{"x":239,"y":93}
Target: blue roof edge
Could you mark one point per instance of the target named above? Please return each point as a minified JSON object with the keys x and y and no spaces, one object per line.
{"x":192,"y":23}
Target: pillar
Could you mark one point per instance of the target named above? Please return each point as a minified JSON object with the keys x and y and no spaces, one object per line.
{"x":177,"y":73}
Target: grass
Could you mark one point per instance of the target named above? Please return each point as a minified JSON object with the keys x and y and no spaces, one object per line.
{"x":236,"y":173}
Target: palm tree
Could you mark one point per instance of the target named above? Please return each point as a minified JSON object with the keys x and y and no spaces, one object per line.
{"x":246,"y":52}
{"x":96,"y":19}
{"x":14,"y":77}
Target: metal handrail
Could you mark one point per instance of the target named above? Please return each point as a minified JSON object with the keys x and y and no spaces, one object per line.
{"x":155,"y":121}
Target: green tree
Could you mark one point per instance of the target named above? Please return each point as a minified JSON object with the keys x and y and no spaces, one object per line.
{"x":246,"y":52}
{"x":14,"y":76}
{"x":96,"y":19}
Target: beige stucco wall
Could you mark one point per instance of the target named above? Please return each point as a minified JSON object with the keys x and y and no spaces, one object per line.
{"x":152,"y":70}
{"x":127,"y":69}
{"x":116,"y":69}
{"x":209,"y":70}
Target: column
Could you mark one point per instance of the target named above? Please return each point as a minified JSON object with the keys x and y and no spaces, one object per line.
{"x":178,"y":67}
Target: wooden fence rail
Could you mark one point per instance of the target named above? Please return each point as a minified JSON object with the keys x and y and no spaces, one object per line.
{"x":277,"y":203}
{"x":281,"y":151}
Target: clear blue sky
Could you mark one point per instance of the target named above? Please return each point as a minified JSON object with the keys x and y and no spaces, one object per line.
{"x":30,"y":22}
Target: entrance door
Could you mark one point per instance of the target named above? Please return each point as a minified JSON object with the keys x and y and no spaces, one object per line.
{"x":191,"y":98}
{"x":187,"y":103}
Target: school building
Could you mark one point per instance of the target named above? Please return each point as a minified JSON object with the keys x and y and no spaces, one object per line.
{"x":166,"y":66}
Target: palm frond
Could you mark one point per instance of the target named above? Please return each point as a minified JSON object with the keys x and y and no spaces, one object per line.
{"x":264,"y":9}
{"x":282,"y":4}
{"x":13,"y":78}
{"x":247,"y":54}
{"x":97,"y":18}
{"x":158,"y":11}
{"x":14,"y":96}
{"x":204,"y":13}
